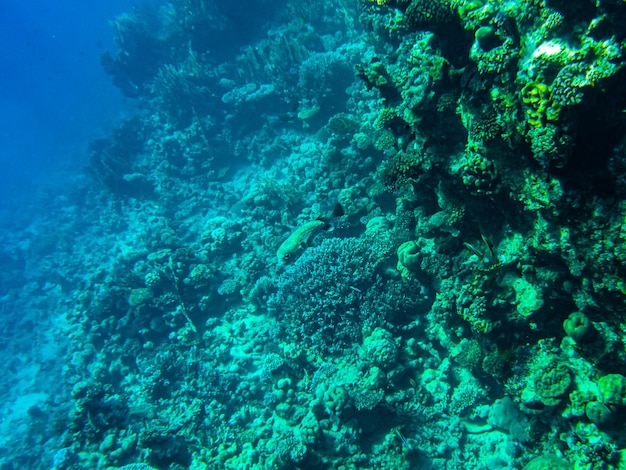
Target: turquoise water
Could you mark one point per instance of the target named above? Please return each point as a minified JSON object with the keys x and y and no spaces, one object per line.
{"x":326,"y":235}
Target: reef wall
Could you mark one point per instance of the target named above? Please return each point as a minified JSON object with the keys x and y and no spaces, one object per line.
{"x":467,"y":308}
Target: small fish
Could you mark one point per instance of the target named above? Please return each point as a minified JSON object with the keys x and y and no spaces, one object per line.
{"x":489,"y":246}
{"x":403,"y":439}
{"x":293,"y":246}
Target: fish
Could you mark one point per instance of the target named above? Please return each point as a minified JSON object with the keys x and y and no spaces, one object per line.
{"x":300,"y":238}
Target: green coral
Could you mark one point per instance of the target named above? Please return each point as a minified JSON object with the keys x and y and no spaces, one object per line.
{"x":547,"y":462}
{"x":575,"y":78}
{"x":576,"y":325}
{"x":483,"y":127}
{"x":422,"y":55}
{"x":476,"y":315}
{"x":538,"y":106}
{"x":428,"y":12}
{"x":402,"y":169}
{"x":540,"y":192}
{"x":473,"y":13}
{"x":569,"y":84}
{"x":612,"y":388}
{"x":550,"y":146}
{"x":553,"y":384}
{"x":381,"y":349}
{"x":598,"y":412}
{"x":500,"y":52}
{"x":408,"y":258}
{"x":385,"y":141}
{"x":479,"y":174}
{"x":375,"y":75}
{"x":388,"y":118}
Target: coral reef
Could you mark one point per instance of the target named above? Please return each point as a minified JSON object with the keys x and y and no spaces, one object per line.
{"x":465,"y":310}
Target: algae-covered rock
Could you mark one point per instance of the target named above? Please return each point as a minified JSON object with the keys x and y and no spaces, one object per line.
{"x":528,"y":297}
{"x":621,"y":464}
{"x":370,"y":390}
{"x":598,"y":412}
{"x":612,"y":389}
{"x":552,"y":384}
{"x":335,"y":398}
{"x":578,"y":400}
{"x":377,"y":226}
{"x":139,"y":296}
{"x":467,"y":353}
{"x":381,"y":349}
{"x":547,"y":462}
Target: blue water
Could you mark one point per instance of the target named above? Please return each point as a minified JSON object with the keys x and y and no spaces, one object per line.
{"x":54,"y":95}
